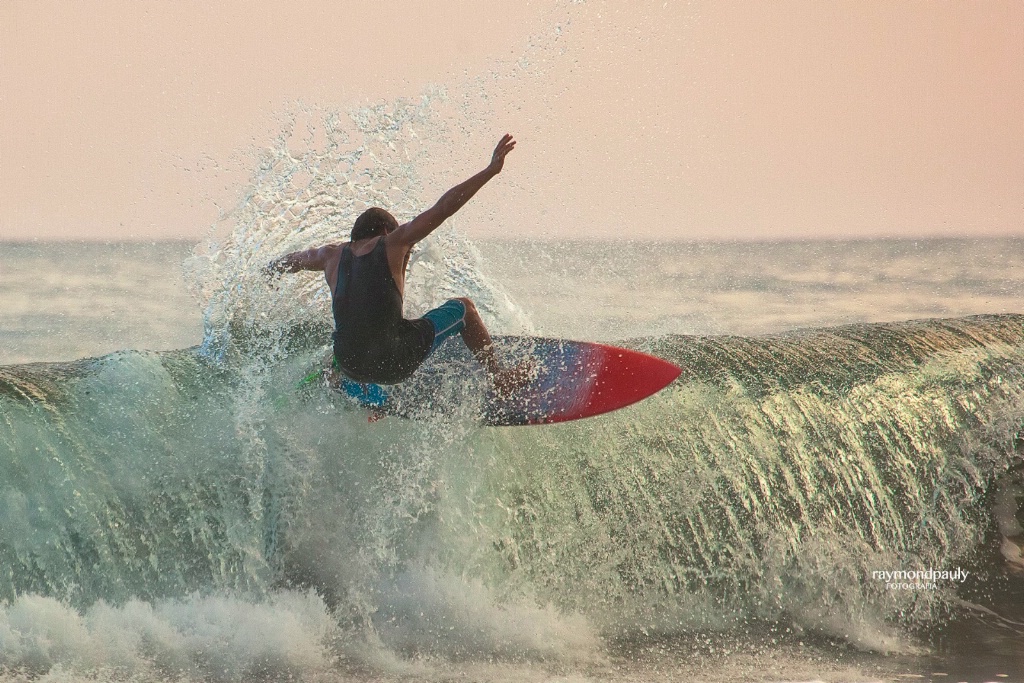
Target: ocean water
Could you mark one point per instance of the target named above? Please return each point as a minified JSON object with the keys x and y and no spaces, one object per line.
{"x":174,"y":507}
{"x":66,"y":300}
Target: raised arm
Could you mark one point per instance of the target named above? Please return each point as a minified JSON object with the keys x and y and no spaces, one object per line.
{"x":452,"y":200}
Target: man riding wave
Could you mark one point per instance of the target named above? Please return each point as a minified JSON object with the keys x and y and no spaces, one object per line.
{"x":373,"y":341}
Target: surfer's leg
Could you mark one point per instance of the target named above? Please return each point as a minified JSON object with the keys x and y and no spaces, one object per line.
{"x":478,"y":339}
{"x":475,"y":334}
{"x":460,"y":315}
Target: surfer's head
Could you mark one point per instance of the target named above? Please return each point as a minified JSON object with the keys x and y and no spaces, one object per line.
{"x":373,"y":222}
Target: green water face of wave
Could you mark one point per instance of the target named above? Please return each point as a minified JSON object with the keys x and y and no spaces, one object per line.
{"x":769,"y":482}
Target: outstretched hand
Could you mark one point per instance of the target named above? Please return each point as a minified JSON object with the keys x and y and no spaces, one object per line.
{"x":505,"y":145}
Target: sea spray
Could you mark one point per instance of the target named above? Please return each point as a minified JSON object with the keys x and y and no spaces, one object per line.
{"x":307,"y":191}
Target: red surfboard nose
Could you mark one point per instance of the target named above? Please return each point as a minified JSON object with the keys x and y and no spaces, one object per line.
{"x":625,"y":377}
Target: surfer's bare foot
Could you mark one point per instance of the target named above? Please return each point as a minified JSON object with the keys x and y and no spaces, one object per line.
{"x":511,"y":379}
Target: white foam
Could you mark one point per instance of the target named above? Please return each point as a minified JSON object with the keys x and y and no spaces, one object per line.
{"x":289,"y":634}
{"x":426,"y":611}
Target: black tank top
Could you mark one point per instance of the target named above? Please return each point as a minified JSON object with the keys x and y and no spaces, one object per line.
{"x":372,"y":341}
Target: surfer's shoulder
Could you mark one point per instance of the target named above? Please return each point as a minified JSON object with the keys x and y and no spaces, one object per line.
{"x":329,"y":254}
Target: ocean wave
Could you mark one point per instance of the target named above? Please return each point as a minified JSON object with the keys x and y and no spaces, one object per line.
{"x":768,"y":483}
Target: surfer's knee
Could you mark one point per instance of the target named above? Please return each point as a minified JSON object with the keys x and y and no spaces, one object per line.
{"x":468,"y":303}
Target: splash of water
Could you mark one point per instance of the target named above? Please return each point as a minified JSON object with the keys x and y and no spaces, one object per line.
{"x":321,"y":172}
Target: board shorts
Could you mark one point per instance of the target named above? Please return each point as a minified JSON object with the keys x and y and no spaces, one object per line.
{"x":449,"y":319}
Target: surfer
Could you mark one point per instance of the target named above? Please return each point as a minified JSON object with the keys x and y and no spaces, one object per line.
{"x":373,"y":341}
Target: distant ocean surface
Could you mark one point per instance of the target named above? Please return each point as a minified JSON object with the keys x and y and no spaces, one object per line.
{"x":174,"y":509}
{"x":62,"y":301}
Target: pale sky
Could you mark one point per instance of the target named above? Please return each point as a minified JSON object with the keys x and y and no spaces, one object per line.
{"x":675,"y":120}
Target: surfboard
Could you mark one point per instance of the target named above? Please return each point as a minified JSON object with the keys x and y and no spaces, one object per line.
{"x":571,"y":380}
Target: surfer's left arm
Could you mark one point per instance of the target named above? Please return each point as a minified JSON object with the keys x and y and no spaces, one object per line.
{"x":310,"y":259}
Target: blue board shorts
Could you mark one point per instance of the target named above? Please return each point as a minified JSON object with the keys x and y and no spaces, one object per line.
{"x":449,"y":319}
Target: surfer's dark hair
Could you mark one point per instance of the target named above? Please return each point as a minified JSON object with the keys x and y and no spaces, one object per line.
{"x":373,"y":222}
